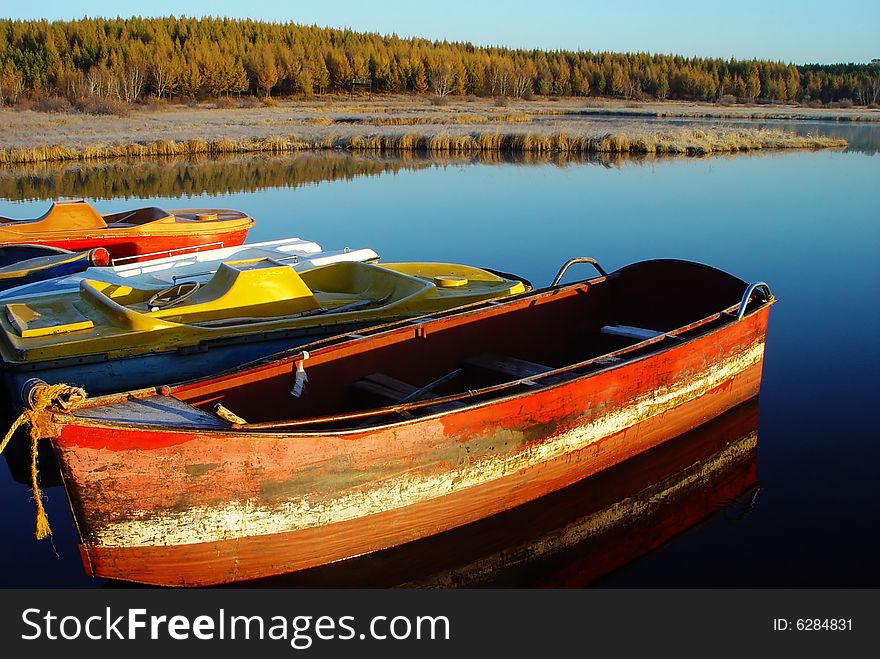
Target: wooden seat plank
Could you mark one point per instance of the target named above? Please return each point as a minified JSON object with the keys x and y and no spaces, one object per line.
{"x":385,"y":386}
{"x":638,"y":333}
{"x":514,"y":368}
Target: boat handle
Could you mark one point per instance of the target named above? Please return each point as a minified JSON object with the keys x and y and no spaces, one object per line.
{"x":748,"y":294}
{"x":571,"y":262}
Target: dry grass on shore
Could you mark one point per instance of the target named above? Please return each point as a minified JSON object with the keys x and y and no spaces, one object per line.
{"x":671,"y":141}
{"x":395,"y":124}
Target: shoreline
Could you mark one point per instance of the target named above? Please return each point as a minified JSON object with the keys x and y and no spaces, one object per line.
{"x":412,"y":124}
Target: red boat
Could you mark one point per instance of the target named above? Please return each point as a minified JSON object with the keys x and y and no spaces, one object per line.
{"x":406,"y":430}
{"x":571,"y":538}
{"x":136,"y":235}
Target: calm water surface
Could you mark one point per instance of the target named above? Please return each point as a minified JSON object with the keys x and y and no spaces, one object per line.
{"x":800,"y":509}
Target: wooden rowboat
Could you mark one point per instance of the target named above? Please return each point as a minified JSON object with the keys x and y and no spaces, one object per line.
{"x":139,"y":234}
{"x":408,"y":431}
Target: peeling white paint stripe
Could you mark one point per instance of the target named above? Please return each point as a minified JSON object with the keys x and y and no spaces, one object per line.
{"x":642,"y":504}
{"x":237,"y":519}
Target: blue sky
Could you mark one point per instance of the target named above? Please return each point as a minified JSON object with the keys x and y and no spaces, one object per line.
{"x":801,"y":31}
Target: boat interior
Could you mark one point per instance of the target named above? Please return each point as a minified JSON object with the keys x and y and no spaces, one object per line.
{"x":136,"y":217}
{"x":496,"y":349}
{"x":265,"y":288}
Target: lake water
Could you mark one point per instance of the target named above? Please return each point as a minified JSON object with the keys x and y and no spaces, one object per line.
{"x":796,"y":506}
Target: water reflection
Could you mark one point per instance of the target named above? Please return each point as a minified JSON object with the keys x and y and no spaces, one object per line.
{"x":18,"y":459}
{"x":179,"y":177}
{"x":246,"y":173}
{"x":861,"y":137}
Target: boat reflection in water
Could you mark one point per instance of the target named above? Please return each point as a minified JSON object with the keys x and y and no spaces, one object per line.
{"x":572,"y":537}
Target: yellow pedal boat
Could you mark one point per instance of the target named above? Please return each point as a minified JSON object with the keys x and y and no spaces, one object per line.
{"x":110,"y":337}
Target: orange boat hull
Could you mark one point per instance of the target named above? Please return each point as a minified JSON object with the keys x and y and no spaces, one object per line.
{"x":252,"y":557}
{"x":572,"y":537}
{"x":183,"y":507}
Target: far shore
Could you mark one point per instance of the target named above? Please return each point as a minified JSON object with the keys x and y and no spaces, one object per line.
{"x":412,"y":123}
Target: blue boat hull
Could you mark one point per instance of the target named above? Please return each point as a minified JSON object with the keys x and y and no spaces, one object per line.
{"x":19,"y":273}
{"x":11,"y":254}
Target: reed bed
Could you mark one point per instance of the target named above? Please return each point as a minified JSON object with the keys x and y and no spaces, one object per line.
{"x":439,"y":140}
{"x":166,"y":147}
{"x":715,"y":113}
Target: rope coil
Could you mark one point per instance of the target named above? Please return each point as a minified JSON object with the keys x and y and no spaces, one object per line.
{"x":40,"y":398}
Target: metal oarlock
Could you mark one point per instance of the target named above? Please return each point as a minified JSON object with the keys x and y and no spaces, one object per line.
{"x":758,"y":285}
{"x":571,"y":262}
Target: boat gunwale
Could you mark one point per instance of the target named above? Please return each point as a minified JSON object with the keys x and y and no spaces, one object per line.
{"x":278,"y":430}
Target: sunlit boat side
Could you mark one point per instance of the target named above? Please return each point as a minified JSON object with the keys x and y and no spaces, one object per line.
{"x":575,"y":536}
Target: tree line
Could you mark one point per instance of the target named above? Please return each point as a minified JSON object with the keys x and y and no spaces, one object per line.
{"x":129,"y":59}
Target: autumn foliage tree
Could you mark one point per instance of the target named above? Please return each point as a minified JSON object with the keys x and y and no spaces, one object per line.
{"x":129,"y":58}
{"x":264,"y":68}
